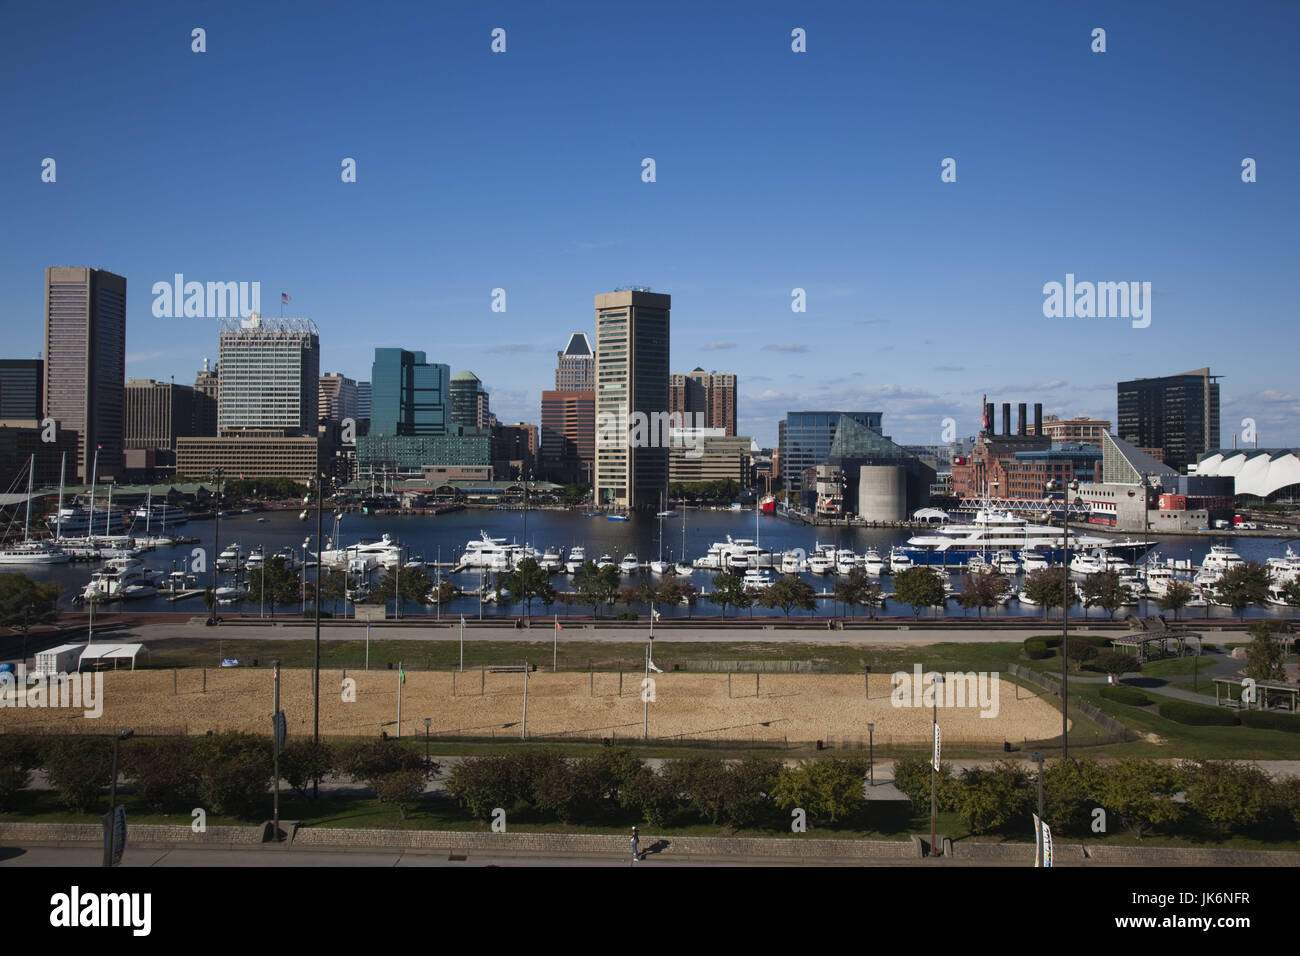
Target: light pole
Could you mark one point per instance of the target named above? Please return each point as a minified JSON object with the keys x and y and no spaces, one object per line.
{"x":427,"y":722}
{"x":1066,"y":489}
{"x":315,"y":674}
{"x":934,"y":766}
{"x":871,"y":752}
{"x":216,"y":542}
{"x":1037,"y":758}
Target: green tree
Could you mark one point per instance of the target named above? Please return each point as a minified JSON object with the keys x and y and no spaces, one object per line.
{"x":596,"y":586}
{"x":1175,"y":598}
{"x":993,"y":798}
{"x":1264,"y":654}
{"x":789,"y":592}
{"x":528,"y":581}
{"x":403,"y":789}
{"x":829,"y":789}
{"x":729,"y":589}
{"x":19,"y":756}
{"x":1115,"y":662}
{"x":1291,"y":592}
{"x":78,"y":768}
{"x":234,"y":773}
{"x":1045,"y":587}
{"x":481,"y":784}
{"x":273,"y":584}
{"x":304,"y":761}
{"x":164,"y":770}
{"x":412,"y":584}
{"x":1226,"y":795}
{"x":25,"y":603}
{"x":1141,"y":793}
{"x":1070,"y":789}
{"x":1243,"y":585}
{"x":919,"y":587}
{"x":857,"y":588}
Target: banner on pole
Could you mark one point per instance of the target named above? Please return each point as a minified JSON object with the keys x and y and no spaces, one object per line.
{"x":936,"y":746}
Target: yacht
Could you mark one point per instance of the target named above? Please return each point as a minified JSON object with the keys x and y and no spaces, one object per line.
{"x":1032,"y":560}
{"x":872,"y":563}
{"x":992,"y":531}
{"x":256,"y":558}
{"x":757,"y":578}
{"x":158,"y":515}
{"x":33,"y":552}
{"x":382,"y":553}
{"x":577,"y":558}
{"x":1221,"y":558}
{"x":552,"y":561}
{"x":978,"y":565}
{"x":1087,"y":564}
{"x":845,"y":561}
{"x":229,"y":594}
{"x":792,"y":562}
{"x":1006,"y":563}
{"x":822,"y":561}
{"x":485,"y":552}
{"x":1284,"y":569}
{"x":628,"y":565}
{"x":898,"y":561}
{"x":605,"y":561}
{"x":230,"y":559}
{"x":75,"y":522}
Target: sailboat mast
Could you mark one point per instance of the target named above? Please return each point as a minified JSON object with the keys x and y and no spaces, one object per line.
{"x":58,"y":520}
{"x":94,"y":471}
{"x":31,"y":468}
{"x":109,"y":511}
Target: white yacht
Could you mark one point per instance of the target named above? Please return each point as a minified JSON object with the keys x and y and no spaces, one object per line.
{"x":229,"y":594}
{"x":1006,"y":563}
{"x":1221,"y":558}
{"x":1032,"y":560}
{"x":552,"y":560}
{"x":872,"y":563}
{"x":793,"y":562}
{"x":230,"y":559}
{"x":993,"y":531}
{"x":605,"y":561}
{"x":822,"y":560}
{"x":157,"y":516}
{"x":486,"y":552}
{"x":1284,"y":569}
{"x":1087,"y":564}
{"x":628,"y":565}
{"x":757,"y":578}
{"x":75,"y":522}
{"x":898,"y":560}
{"x":33,"y":552}
{"x":384,"y":553}
{"x":845,"y":561}
{"x":577,"y":558}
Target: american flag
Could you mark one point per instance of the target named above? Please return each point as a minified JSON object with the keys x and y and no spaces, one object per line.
{"x":284,"y":297}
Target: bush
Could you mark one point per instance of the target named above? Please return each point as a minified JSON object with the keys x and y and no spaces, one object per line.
{"x":1227,"y":796}
{"x":1069,"y":789}
{"x":1079,"y":653}
{"x":79,"y":768}
{"x":303,"y":761}
{"x":993,"y":798}
{"x":164,"y":771}
{"x":626,"y":616}
{"x":830,"y":789}
{"x":653,"y":795}
{"x":234,"y":773}
{"x":1270,"y":720}
{"x":1197,"y":715}
{"x":912,"y":778}
{"x":1036,"y":648}
{"x":18,"y":757}
{"x":481,"y":784}
{"x":402,"y":788}
{"x":1126,"y":695}
{"x":1051,"y":640}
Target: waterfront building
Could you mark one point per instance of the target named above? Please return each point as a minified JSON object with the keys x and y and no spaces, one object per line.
{"x":805,"y":441}
{"x":1178,"y":414}
{"x":270,"y":375}
{"x":575,"y":366}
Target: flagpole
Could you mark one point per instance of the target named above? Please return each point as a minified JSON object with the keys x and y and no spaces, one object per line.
{"x":555,"y":644}
{"x":462,"y":642}
{"x":401,"y":677}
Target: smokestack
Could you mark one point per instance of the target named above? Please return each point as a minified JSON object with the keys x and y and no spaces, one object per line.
{"x":988,"y":413}
{"x":1024,"y":419}
{"x":1006,"y":418}
{"x":1038,"y":419}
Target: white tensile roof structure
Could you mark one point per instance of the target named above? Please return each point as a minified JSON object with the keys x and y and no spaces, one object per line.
{"x":111,"y":652}
{"x":1257,"y":471}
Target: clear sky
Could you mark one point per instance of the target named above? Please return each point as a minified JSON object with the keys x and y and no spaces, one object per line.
{"x":775,"y":170}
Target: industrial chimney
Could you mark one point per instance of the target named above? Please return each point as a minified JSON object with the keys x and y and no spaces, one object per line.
{"x":988,"y":413}
{"x":1006,"y":418}
{"x":1038,"y":419}
{"x":1024,"y":419}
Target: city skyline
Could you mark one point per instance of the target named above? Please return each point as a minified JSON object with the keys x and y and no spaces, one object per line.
{"x":920,"y":294}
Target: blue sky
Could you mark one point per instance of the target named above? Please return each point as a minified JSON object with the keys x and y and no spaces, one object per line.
{"x":775,"y":171}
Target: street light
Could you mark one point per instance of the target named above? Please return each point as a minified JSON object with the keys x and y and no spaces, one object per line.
{"x":1036,"y":757}
{"x":427,"y":722}
{"x":871,"y":752}
{"x":320,"y":490}
{"x":1066,"y":489}
{"x":934,"y":769}
{"x":216,"y":542}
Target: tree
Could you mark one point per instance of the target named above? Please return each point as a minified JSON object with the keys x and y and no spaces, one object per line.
{"x":1291,"y":592}
{"x":25,"y":603}
{"x":164,"y":770}
{"x":395,"y":774}
{"x":402,"y":788}
{"x":527,"y":581}
{"x":1226,"y":795}
{"x":1114,"y":662}
{"x":1243,"y":585}
{"x":993,"y":798}
{"x":920,"y":587}
{"x":1045,"y":587}
{"x":273,"y":584}
{"x":445,"y":593}
{"x":1175,"y":598}
{"x":691,"y":595}
{"x":1070,"y":790}
{"x":19,"y":756}
{"x":481,"y":784}
{"x":78,"y":768}
{"x":234,"y":772}
{"x":829,"y":789}
{"x":1142,"y":793}
{"x":729,"y":589}
{"x":1264,"y":654}
{"x":669,"y":591}
{"x":303,"y":761}
{"x":857,"y":588}
{"x":411,"y":584}
{"x":789,"y":592}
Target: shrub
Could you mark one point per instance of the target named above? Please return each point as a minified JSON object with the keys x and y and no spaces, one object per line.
{"x":1080,"y":652}
{"x":830,"y":789}
{"x":1036,"y":648}
{"x":569,"y":790}
{"x":79,"y":768}
{"x":234,"y":772}
{"x":1286,"y":798}
{"x":1142,"y":793}
{"x":1051,"y":640}
{"x":402,"y":788}
{"x":993,"y":798}
{"x":1197,"y":715}
{"x":750,"y":785}
{"x":653,"y":795}
{"x":303,"y":761}
{"x":912,"y":778}
{"x":1270,"y":720}
{"x":18,"y":757}
{"x":1069,"y":793}
{"x":1227,"y":796}
{"x":481,"y":784}
{"x":164,"y":771}
{"x":1126,"y":695}
{"x":626,"y":616}
{"x":368,"y":760}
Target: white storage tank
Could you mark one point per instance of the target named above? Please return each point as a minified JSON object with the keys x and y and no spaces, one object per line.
{"x":882,"y":492}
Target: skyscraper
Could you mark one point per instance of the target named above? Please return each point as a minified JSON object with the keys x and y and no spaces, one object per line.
{"x":337,"y":397}
{"x":704,"y":399}
{"x":22,"y":389}
{"x":156,"y":414}
{"x":363,"y":408}
{"x":1178,"y":414}
{"x":632,"y":340}
{"x":575,"y":367}
{"x":207,"y":390}
{"x":85,"y":361}
{"x":270,"y":371}
{"x":409,"y":396}
{"x":469,"y":401}
{"x":568,"y":438}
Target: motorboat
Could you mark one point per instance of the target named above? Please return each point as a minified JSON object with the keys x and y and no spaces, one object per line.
{"x":1221,"y":558}
{"x":1006,"y":563}
{"x":954,"y":544}
{"x":898,"y":561}
{"x":616,"y":518}
{"x":229,"y":594}
{"x":33,"y":552}
{"x":577,"y":558}
{"x":822,"y":561}
{"x":605,"y":561}
{"x":552,"y":560}
{"x":1283,"y":569}
{"x":628,"y":565}
{"x":793,"y":562}
{"x":1087,"y":564}
{"x":1032,"y":560}
{"x":159,"y":515}
{"x":230,"y":559}
{"x":872,"y":563}
{"x":845,"y":561}
{"x":756,"y":578}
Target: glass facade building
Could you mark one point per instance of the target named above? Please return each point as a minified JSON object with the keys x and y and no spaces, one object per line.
{"x":22,"y":383}
{"x":269,"y":375}
{"x":806,"y":438}
{"x":1178,"y":414}
{"x":408,"y":395}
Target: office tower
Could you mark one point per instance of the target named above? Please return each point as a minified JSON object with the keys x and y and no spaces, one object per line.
{"x":1177,"y":414}
{"x":409,"y":396}
{"x":85,"y":361}
{"x":632,"y":339}
{"x":156,"y":414}
{"x":363,"y":404}
{"x":206,"y":394}
{"x":805,"y":441}
{"x":469,"y":401}
{"x":22,"y":387}
{"x":270,"y":371}
{"x":514,"y":451}
{"x":568,"y":439}
{"x":704,"y":399}
{"x":575,"y":367}
{"x":337,"y":398}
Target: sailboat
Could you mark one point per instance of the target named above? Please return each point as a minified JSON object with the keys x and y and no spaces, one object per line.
{"x":660,"y":566}
{"x":684,"y":566}
{"x":29,"y":551}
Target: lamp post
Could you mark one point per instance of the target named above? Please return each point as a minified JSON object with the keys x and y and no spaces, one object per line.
{"x":871,"y":752}
{"x":216,"y":542}
{"x":427,"y":722}
{"x":934,"y":767}
{"x":1066,"y":489}
{"x":315,"y":674}
{"x":1036,"y":757}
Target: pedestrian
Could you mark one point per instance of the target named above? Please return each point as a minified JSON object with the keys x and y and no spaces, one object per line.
{"x":636,"y":846}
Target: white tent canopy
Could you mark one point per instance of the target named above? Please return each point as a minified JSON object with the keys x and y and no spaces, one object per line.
{"x":930,"y":514}
{"x":111,"y":652}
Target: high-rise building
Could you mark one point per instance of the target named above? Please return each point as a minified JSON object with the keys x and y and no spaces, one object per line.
{"x":22,"y":389}
{"x":575,"y":367}
{"x":409,"y":396}
{"x":270,"y":372}
{"x":207,"y":390}
{"x":704,"y":399}
{"x":632,"y":340}
{"x":469,"y":401}
{"x":363,"y":406}
{"x":1178,"y":414}
{"x":514,"y":451}
{"x":568,"y":439}
{"x":337,"y":398}
{"x":85,"y":361}
{"x":805,"y":441}
{"x":156,"y":414}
